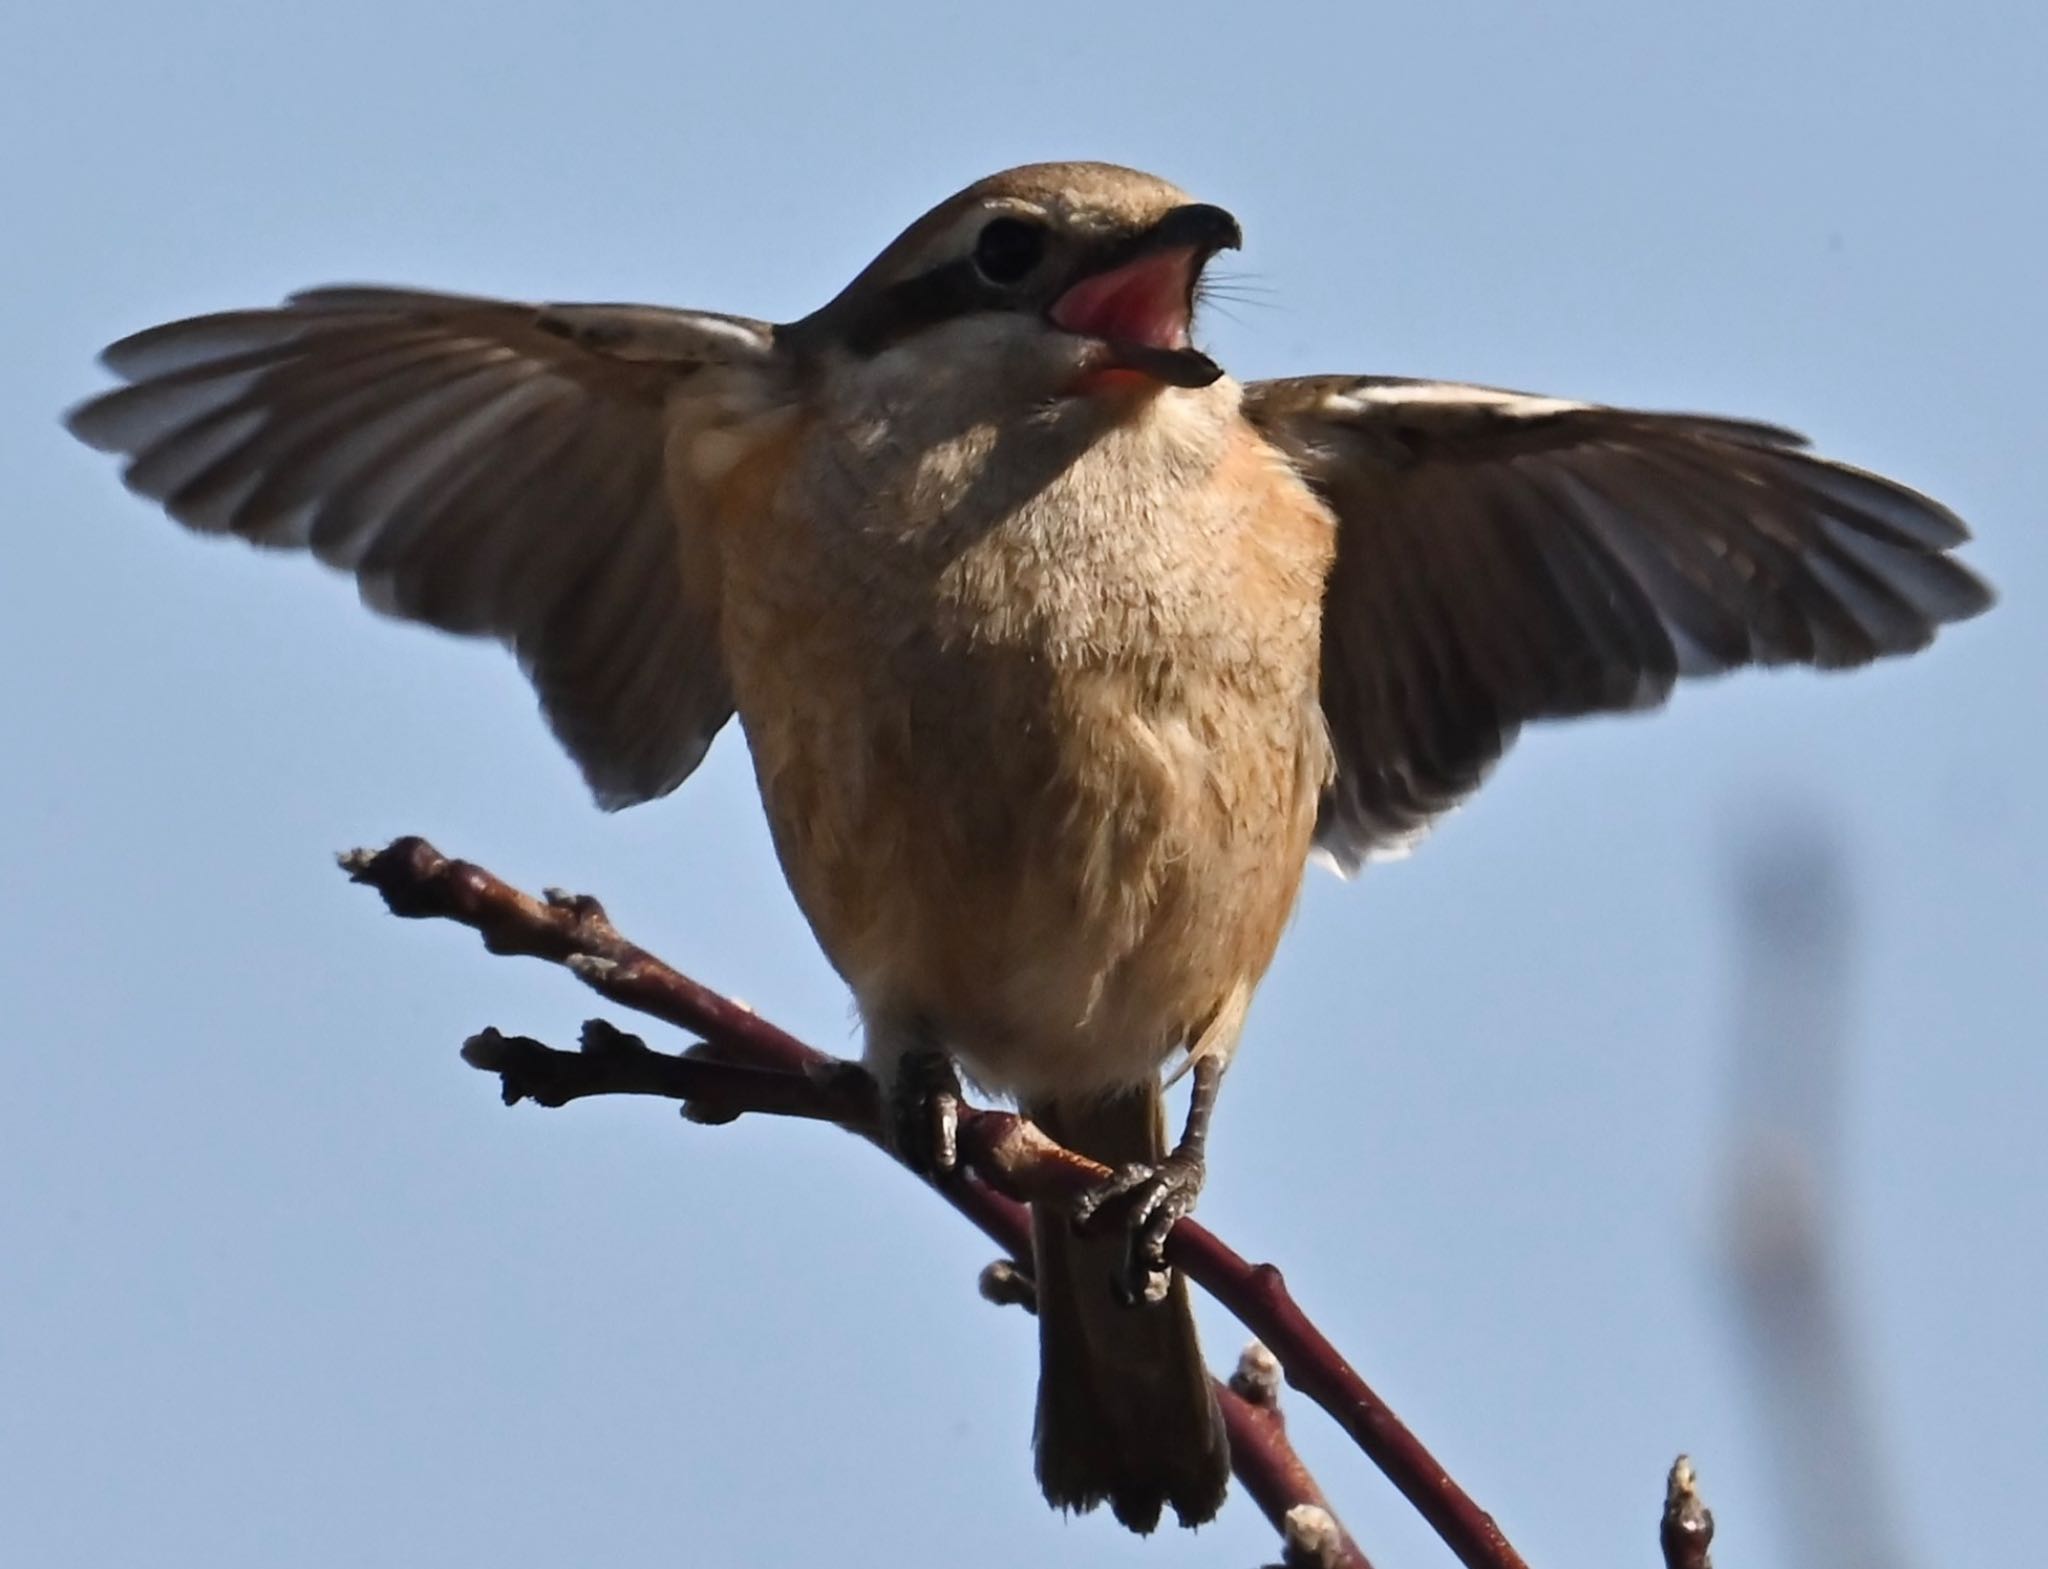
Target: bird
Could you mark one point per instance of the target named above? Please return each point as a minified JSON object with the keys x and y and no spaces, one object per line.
{"x":1058,"y":652}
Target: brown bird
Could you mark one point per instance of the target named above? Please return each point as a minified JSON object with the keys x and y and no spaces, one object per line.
{"x":1056,"y":649}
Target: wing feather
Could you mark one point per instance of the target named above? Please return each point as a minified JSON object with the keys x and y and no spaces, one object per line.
{"x":1504,"y":558}
{"x":484,"y":467}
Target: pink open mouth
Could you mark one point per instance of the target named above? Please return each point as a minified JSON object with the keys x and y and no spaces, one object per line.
{"x":1142,"y":302}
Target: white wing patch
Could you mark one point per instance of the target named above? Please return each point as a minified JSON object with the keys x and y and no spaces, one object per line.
{"x":1361,"y":397}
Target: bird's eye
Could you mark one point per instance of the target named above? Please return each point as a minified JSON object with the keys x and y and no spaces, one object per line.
{"x":1007,"y":250}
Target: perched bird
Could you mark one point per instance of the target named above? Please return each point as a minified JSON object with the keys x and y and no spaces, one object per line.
{"x":1057,"y":650}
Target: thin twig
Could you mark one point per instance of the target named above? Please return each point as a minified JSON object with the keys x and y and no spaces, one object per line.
{"x":1309,"y":1528}
{"x":1687,"y":1529}
{"x":1003,"y":1151}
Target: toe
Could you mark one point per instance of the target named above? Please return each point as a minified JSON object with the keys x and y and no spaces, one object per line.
{"x":943,"y":1130}
{"x":924,"y":1118}
{"x":1110,"y":1193}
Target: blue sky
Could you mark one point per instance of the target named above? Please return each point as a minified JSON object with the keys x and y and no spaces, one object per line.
{"x":288,"y":1286}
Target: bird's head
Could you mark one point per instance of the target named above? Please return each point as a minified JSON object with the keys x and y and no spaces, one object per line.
{"x":1051,"y":280}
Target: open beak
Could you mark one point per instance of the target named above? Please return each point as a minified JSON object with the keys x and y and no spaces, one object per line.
{"x":1137,"y":305}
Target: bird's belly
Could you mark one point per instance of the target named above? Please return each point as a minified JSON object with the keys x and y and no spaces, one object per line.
{"x":1041,"y":761}
{"x":1063,"y":873}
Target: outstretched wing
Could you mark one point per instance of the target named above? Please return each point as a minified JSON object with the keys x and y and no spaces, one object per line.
{"x":485,"y":467}
{"x":1504,"y":558}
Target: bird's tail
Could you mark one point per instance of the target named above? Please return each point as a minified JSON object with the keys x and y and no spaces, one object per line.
{"x":1126,"y":1414}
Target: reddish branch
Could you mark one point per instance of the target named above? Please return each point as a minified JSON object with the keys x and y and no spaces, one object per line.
{"x":612,"y":1062}
{"x":748,"y":1064}
{"x":1267,"y":1464}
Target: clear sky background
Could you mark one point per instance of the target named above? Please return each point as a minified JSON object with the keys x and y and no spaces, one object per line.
{"x":283,"y":1283}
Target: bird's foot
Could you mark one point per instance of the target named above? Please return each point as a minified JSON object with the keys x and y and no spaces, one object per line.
{"x":922,"y":1108}
{"x":1146,"y":1201}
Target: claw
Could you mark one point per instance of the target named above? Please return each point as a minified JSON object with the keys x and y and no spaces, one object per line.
{"x":1146,"y":1201}
{"x":924,"y":1113}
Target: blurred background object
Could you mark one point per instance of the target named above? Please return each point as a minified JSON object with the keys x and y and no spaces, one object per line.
{"x":1800,"y":1344}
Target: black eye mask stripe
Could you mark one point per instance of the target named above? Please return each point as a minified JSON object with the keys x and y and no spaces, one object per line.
{"x":956,"y":289}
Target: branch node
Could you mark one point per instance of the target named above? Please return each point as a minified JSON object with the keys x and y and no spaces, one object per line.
{"x":608,"y":1043}
{"x":522,"y":1065}
{"x":592,"y":921}
{"x":1267,"y":1280}
{"x":1313,"y":1538}
{"x":1257,"y":1378}
{"x":402,"y":872}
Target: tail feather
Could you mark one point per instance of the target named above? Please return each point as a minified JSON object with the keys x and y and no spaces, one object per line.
{"x":1126,"y":1412}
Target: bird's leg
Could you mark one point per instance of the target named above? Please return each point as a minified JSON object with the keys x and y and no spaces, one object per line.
{"x":918,"y":1088}
{"x":922,"y":1103}
{"x":1148,"y":1199}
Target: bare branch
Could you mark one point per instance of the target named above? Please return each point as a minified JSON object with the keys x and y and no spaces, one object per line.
{"x":615,"y":1063}
{"x":612,"y":1062}
{"x":1009,"y":1159}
